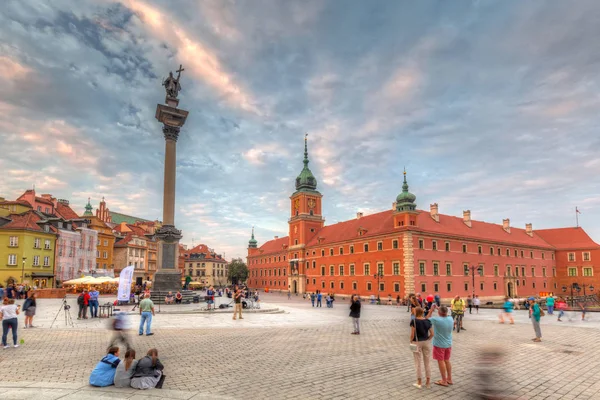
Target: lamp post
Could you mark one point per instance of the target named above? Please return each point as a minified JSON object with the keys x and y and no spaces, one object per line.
{"x":480,"y":270}
{"x":591,"y":287}
{"x":575,"y":286}
{"x":23,"y":270}
{"x":378,"y":276}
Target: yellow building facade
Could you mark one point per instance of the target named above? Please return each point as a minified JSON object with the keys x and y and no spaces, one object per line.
{"x":27,"y":250}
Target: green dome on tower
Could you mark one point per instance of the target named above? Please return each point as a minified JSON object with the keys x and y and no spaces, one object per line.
{"x":88,"y":209}
{"x":405,"y":201}
{"x":252,"y":243}
{"x":306,"y":182}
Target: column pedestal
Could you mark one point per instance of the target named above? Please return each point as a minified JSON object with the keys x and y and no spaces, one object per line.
{"x":168,"y":276}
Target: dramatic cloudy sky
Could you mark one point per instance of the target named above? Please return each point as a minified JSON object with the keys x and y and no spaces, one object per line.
{"x":492,"y":106}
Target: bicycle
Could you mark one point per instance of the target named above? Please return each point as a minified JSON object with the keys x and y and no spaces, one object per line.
{"x":458,"y":320}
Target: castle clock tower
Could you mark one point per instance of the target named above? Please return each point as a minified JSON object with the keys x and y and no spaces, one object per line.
{"x":305,"y":222}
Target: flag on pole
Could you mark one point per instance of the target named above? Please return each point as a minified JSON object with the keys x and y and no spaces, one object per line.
{"x":577,"y":210}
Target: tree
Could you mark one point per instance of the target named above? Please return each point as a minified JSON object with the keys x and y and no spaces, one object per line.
{"x":237,"y":271}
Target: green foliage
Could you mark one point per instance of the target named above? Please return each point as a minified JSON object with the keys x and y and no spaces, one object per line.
{"x":237,"y":271}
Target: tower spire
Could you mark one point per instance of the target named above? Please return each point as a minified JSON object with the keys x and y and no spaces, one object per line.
{"x":306,"y":180}
{"x":405,"y":200}
{"x":306,"y":149}
{"x":88,"y":209}
{"x":252,"y":243}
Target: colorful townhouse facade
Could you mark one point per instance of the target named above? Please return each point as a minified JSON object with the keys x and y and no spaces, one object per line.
{"x":400,"y":251}
{"x":27,"y":245}
{"x":105,"y":244}
{"x":202,"y":264}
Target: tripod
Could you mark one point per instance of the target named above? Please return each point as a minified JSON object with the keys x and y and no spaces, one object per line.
{"x":65,"y":308}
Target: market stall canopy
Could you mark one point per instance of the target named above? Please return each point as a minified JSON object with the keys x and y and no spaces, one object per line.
{"x":79,"y":281}
{"x":195,"y":283}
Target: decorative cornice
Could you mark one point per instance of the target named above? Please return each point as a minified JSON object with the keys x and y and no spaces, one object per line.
{"x":171,"y":132}
{"x":168,"y":233}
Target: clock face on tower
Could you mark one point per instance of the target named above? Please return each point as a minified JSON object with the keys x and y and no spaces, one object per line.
{"x":311,"y":203}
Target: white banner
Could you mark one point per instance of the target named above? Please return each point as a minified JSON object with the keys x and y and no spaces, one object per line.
{"x":125,"y":280}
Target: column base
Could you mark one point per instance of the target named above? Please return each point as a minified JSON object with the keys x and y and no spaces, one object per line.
{"x":165,"y":281}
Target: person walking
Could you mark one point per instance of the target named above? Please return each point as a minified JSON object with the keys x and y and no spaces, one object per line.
{"x":421,"y":333}
{"x":442,"y":343}
{"x":319,"y":298}
{"x":237,"y":297}
{"x":289,"y":294}
{"x":355,"y":314}
{"x":120,"y":325}
{"x":476,"y":303}
{"x":507,"y":311}
{"x":9,"y":314}
{"x":470,"y":304}
{"x":312,"y":299}
{"x":535,"y":312}
{"x":550,"y":305}
{"x":93,"y":302}
{"x":29,"y":308}
{"x":146,"y":313}
{"x":561,"y":305}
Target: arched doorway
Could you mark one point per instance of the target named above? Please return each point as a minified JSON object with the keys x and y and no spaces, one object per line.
{"x":295,"y":287}
{"x":510,"y":290}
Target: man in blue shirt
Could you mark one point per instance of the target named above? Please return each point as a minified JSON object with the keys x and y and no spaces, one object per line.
{"x":319,"y":298}
{"x":442,"y":342}
{"x":93,"y":302}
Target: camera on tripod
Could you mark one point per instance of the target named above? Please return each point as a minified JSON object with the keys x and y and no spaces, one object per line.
{"x":65,"y":305}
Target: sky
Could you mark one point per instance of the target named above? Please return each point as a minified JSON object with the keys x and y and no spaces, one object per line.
{"x":492,"y":106}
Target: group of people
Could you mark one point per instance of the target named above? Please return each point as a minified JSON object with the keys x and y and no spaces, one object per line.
{"x":170,"y":299}
{"x":87,"y":300}
{"x":9,"y":312}
{"x":316,"y":299}
{"x":15,"y":291}
{"x":145,"y":373}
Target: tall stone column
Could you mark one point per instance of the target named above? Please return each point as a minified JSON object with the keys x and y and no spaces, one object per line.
{"x":168,"y":277}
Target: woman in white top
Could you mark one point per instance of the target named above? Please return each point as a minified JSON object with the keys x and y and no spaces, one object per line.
{"x":125,"y":370}
{"x":9,"y":320}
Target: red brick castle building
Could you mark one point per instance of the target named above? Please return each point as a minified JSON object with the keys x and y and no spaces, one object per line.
{"x":405,"y":250}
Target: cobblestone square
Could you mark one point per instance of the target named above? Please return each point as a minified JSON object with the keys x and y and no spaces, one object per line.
{"x":302,"y":353}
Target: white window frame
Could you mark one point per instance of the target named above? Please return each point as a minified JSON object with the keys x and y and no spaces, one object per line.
{"x":47,"y":244}
{"x":46,"y":261}
{"x":36,"y":261}
{"x":12,"y":259}
{"x":37,"y":243}
{"x":571,"y":255}
{"x":588,"y":254}
{"x":583,"y":269}
{"x":13,"y":241}
{"x":569,"y":269}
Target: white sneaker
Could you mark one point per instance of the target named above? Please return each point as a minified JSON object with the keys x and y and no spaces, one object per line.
{"x":15,"y":346}
{"x":6,"y":347}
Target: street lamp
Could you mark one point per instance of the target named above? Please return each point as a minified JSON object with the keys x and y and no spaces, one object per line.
{"x":480,"y":271}
{"x":378,"y":276}
{"x":575,"y":286}
{"x":23,"y":270}
{"x":591,"y":287}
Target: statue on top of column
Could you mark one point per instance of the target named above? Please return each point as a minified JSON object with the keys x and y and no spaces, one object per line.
{"x":171,"y":84}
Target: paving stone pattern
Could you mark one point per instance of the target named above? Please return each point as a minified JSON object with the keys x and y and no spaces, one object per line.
{"x":308,"y":362}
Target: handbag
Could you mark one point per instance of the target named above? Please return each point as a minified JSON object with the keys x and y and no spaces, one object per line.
{"x":413,"y":345}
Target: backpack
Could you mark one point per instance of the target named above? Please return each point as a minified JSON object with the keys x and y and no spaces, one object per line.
{"x":80,"y":300}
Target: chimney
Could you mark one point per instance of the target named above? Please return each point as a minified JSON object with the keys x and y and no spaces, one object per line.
{"x":359,"y":215}
{"x":433,"y":209}
{"x":394,"y":206}
{"x":276,"y":237}
{"x":467,"y":218}
{"x":528,"y":230}
{"x":506,"y":225}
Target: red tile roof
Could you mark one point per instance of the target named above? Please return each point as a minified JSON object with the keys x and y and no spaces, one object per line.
{"x":42,"y":200}
{"x":123,"y":242}
{"x":274,"y":246}
{"x":203,"y":249}
{"x":383,"y":223}
{"x":568,"y":238}
{"x":26,"y":220}
{"x":66,"y":212}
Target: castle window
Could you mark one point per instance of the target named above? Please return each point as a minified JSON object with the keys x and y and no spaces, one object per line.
{"x":379,"y":246}
{"x":464,"y":248}
{"x":351,"y":249}
{"x":491,"y":251}
{"x":341,"y":251}
{"x":447,"y":246}
{"x":330,"y":252}
{"x":366,"y":247}
{"x":394,"y":244}
{"x":479,"y":250}
{"x":434,"y":245}
{"x":421,"y":244}
{"x":322,"y":253}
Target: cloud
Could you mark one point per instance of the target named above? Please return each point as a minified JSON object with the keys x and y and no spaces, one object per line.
{"x":490,"y":106}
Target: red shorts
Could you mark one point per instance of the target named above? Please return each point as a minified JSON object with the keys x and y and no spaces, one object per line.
{"x":441,"y":354}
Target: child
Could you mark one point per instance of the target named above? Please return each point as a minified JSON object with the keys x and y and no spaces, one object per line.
{"x":104,"y":373}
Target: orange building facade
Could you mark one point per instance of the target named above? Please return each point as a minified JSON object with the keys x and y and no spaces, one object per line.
{"x":401,"y":251}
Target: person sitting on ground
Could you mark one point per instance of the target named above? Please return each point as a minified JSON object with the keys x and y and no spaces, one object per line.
{"x":104,"y":373}
{"x":125,"y":370}
{"x":148,"y":372}
{"x":178,"y":297}
{"x":169,"y":298}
